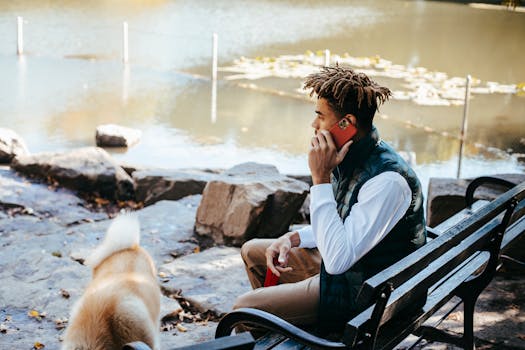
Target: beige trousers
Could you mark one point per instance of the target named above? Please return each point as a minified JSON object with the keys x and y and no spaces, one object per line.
{"x":296,"y":297}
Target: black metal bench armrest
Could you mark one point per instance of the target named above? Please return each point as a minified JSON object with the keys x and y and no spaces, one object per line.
{"x":255,"y":317}
{"x":469,"y":194}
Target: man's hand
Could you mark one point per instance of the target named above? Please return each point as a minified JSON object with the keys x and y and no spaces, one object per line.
{"x":323,"y":156}
{"x":280,"y":249}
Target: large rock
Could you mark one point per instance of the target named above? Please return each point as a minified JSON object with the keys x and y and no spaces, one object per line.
{"x":111,"y":135}
{"x":11,"y":145}
{"x":89,"y":169}
{"x":206,"y":278}
{"x":154,"y":185}
{"x":249,"y":200}
{"x":61,"y":206}
{"x":446,"y":196}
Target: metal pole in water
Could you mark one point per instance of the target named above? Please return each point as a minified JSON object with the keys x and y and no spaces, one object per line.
{"x":125,"y":48}
{"x":326,"y":58}
{"x":125,"y":84}
{"x":215,"y":45}
{"x":463,"y":134}
{"x":20,"y":35}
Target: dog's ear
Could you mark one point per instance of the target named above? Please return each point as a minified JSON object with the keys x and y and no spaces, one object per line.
{"x":123,"y":233}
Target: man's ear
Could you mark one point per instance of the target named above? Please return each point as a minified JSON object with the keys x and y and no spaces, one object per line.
{"x":352,"y":119}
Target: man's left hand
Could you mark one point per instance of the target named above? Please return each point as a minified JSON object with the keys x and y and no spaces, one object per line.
{"x":323,"y":156}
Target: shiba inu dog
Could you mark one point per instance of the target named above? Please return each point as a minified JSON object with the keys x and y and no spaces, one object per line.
{"x":121,"y":304}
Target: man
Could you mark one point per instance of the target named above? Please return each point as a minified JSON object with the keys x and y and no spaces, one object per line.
{"x":366,"y":213}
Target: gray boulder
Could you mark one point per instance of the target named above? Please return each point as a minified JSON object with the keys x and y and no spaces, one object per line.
{"x":206,"y":278}
{"x":20,"y":196}
{"x":154,"y":185}
{"x":446,"y":196}
{"x":111,"y":135}
{"x":89,"y":169}
{"x":11,"y":145}
{"x":249,"y":200}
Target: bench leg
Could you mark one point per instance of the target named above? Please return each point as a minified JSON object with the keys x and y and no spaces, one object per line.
{"x":468,"y":323}
{"x":471,"y":289}
{"x":466,"y":340}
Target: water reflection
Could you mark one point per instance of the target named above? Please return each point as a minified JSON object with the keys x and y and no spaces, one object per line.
{"x":21,"y":68}
{"x":125,"y":84}
{"x":72,"y":78}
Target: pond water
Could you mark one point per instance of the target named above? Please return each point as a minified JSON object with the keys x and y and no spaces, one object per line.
{"x":71,"y":78}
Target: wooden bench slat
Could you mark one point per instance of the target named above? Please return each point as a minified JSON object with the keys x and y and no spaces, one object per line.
{"x":290,"y":344}
{"x":519,"y":211}
{"x":513,"y":232}
{"x":410,"y":265}
{"x":269,"y":341}
{"x":459,"y":216}
{"x":241,"y":341}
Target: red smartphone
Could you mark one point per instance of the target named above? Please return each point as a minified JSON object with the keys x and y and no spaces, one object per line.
{"x":342,"y":132}
{"x":271,"y":279}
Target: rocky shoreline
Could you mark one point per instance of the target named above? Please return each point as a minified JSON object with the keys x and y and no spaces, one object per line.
{"x":55,"y":208}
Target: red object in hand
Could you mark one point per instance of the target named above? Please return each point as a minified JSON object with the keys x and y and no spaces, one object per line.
{"x":271,"y":278}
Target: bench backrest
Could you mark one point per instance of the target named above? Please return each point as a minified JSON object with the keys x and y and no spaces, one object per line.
{"x":407,"y":282}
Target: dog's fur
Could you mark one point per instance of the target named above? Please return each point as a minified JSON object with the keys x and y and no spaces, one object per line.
{"x":122,"y":302}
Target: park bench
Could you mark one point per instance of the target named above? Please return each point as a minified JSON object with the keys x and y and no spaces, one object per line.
{"x":459,"y":261}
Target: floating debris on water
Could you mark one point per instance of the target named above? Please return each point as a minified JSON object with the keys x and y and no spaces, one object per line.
{"x":423,"y":87}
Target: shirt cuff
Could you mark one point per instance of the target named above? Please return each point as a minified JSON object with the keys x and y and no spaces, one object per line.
{"x":307,"y":237}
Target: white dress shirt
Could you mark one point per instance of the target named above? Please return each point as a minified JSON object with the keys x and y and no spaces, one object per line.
{"x":381,"y":203}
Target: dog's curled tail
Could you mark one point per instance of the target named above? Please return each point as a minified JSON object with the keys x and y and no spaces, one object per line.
{"x":123,"y":233}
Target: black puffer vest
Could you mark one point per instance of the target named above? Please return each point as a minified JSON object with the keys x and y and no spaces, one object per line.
{"x":367,"y":158}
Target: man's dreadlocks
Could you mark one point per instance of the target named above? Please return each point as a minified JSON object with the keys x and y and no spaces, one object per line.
{"x":348,"y":92}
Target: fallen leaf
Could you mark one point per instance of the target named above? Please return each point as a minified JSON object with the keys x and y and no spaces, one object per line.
{"x":64,"y":293}
{"x":171,"y":317}
{"x":130,"y":204}
{"x":521,"y":336}
{"x":101,"y":201}
{"x":60,"y":323}
{"x":38,"y":346}
{"x":181,"y":328}
{"x":57,"y":254}
{"x":197,"y":249}
{"x":36,"y":315}
{"x":455,"y":316}
{"x":163,"y":274}
{"x":33,"y":313}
